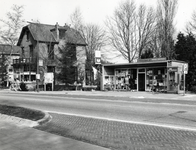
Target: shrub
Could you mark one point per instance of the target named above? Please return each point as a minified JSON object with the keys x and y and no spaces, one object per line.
{"x":193,"y":89}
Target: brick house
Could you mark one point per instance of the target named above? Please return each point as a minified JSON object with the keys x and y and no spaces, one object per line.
{"x":7,"y":54}
{"x":40,"y":44}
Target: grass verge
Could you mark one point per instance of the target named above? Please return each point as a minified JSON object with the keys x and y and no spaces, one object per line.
{"x":21,"y":112}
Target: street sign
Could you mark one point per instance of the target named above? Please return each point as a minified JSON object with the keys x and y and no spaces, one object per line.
{"x":97,"y":60}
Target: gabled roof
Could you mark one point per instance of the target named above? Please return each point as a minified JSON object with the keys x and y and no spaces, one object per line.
{"x":44,"y":33}
{"x":41,"y":32}
{"x":8,"y":49}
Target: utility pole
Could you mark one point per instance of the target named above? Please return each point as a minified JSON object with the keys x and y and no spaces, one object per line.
{"x":37,"y":72}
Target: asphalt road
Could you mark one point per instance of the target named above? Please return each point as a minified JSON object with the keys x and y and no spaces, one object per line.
{"x":133,"y":111}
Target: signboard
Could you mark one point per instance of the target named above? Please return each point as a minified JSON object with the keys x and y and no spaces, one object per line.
{"x":185,"y":68}
{"x":172,"y":69}
{"x":48,"y":77}
{"x":98,"y":53}
{"x":151,"y":59}
{"x":40,"y":62}
{"x":97,"y":60}
{"x":38,"y":76}
{"x":97,"y":57}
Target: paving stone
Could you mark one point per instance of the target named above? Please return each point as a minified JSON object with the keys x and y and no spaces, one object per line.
{"x":118,"y":135}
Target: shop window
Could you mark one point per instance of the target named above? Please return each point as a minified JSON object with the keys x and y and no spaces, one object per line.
{"x":121,"y":74}
{"x":156,"y":78}
{"x":173,"y":80}
{"x":181,"y":79}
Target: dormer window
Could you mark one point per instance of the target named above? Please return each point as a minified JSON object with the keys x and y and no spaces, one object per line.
{"x":27,"y":33}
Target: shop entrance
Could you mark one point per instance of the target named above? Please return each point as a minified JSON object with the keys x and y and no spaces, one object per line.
{"x":141,"y":80}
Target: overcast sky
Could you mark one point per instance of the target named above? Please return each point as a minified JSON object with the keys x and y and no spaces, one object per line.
{"x":94,"y":11}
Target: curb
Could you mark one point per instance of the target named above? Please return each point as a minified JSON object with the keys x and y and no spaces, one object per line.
{"x":26,"y":122}
{"x":47,"y":118}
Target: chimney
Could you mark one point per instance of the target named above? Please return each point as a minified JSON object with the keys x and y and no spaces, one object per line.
{"x":57,"y":31}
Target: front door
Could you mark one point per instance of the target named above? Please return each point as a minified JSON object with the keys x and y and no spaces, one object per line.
{"x":141,"y":81}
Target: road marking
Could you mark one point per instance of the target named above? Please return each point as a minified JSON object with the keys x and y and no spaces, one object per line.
{"x":132,"y":122}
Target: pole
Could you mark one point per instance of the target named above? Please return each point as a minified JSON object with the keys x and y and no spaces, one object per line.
{"x":184,"y":81}
{"x":37,"y":80}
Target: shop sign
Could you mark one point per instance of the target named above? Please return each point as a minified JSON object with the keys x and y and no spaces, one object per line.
{"x":173,"y":69}
{"x":97,"y":60}
{"x":151,"y":59}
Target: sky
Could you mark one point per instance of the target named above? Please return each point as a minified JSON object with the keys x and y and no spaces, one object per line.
{"x":93,"y":11}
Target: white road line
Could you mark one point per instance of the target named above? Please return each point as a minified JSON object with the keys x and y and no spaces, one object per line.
{"x":132,"y":122}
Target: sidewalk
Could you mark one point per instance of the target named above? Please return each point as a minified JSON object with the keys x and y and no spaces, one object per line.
{"x":135,"y":94}
{"x":14,"y":136}
{"x":129,"y":94}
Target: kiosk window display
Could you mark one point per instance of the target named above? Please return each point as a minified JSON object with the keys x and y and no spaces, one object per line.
{"x":173,"y":79}
{"x":120,"y":79}
{"x":156,"y":78}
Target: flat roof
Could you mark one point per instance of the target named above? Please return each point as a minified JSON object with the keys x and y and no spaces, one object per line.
{"x":143,"y":64}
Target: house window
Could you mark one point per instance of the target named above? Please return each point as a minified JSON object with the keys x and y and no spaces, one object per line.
{"x":23,"y":55}
{"x":50,"y":51}
{"x":31,"y":51}
{"x":27,"y":35}
{"x":50,"y":69}
{"x":72,"y":52}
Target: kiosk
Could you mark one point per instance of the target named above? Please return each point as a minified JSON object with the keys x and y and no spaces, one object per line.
{"x":146,"y":75}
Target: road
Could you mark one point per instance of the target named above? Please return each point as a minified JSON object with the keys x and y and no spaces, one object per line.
{"x":133,"y":111}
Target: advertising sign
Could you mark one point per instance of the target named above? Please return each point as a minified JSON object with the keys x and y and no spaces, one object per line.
{"x":185,"y":68}
{"x":38,"y":76}
{"x":97,"y":57}
{"x":48,"y":77}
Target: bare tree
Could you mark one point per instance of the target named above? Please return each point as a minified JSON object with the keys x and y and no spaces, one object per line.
{"x":166,"y":12}
{"x":77,"y":20}
{"x":146,"y":28}
{"x":95,"y":38}
{"x":191,"y":25}
{"x":122,"y":27}
{"x":93,"y":35}
{"x":10,"y":30}
{"x":12,"y":26}
{"x":130,"y":29}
